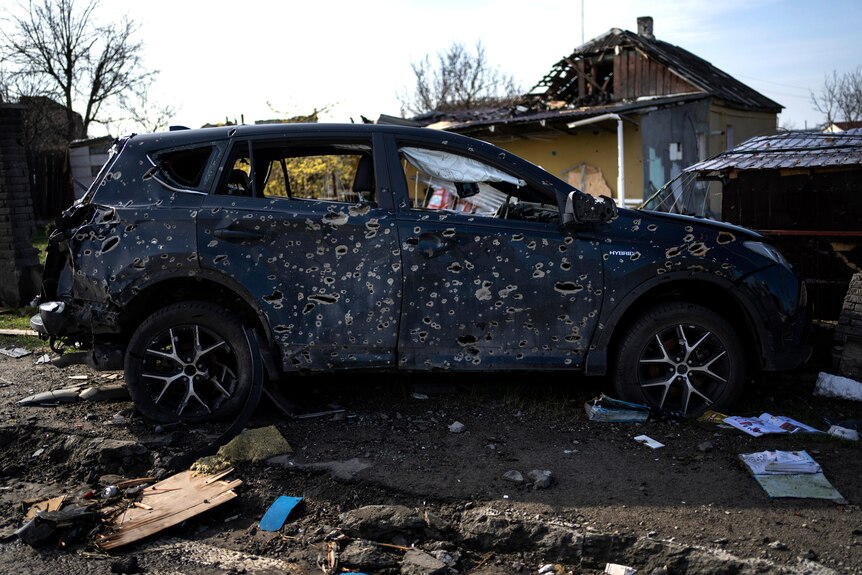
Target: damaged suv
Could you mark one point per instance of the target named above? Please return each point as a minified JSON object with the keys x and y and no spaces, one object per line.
{"x":197,"y":255}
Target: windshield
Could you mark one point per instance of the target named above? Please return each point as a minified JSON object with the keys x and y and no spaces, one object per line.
{"x":690,"y":193}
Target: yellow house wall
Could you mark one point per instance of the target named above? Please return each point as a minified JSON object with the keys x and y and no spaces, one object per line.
{"x":746,"y":125}
{"x":594,"y":145}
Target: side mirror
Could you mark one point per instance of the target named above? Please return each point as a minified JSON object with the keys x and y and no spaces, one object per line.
{"x":583,"y":208}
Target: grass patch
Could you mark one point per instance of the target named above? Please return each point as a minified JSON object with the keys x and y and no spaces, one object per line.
{"x":40,"y":241}
{"x":18,"y":318}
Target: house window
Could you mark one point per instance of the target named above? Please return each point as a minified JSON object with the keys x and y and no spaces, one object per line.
{"x":675,"y":151}
{"x":729,"y":133}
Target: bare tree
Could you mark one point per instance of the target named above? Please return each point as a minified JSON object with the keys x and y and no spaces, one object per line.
{"x":840,"y":100}
{"x":58,"y":49}
{"x":457,"y":80}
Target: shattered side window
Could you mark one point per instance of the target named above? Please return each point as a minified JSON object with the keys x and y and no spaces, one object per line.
{"x":185,"y":167}
{"x":440,"y":180}
{"x":314,"y":171}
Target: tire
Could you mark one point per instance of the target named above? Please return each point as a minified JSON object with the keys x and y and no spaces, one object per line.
{"x":190,"y":362}
{"x":680,"y":358}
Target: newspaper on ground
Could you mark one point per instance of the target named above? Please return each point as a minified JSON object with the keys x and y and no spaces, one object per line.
{"x":780,"y":462}
{"x":768,"y":423}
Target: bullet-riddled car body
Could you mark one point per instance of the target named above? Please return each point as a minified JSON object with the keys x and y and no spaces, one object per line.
{"x":372,"y":247}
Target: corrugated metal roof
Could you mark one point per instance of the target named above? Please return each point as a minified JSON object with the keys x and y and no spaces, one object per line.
{"x":788,"y":150}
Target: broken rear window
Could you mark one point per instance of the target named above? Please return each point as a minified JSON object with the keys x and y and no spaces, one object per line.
{"x":185,"y":167}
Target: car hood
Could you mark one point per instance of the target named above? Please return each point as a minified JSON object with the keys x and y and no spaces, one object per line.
{"x":738,"y":231}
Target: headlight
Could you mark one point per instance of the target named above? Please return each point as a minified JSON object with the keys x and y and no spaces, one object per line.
{"x":767,"y":251}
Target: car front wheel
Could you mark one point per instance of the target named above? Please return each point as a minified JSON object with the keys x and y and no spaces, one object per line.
{"x":189,"y":361}
{"x":681,"y":358}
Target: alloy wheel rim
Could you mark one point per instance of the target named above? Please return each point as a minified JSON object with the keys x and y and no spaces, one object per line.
{"x":189,"y":370}
{"x":683,"y":368}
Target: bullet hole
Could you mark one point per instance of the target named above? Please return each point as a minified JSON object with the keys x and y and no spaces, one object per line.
{"x":307,"y":309}
{"x":725,"y":238}
{"x":698,"y":249}
{"x":138,"y":264}
{"x":605,"y":257}
{"x":280,"y":329}
{"x":567,"y":287}
{"x":448,"y":233}
{"x":220,"y":259}
{"x":635,"y":256}
{"x":340,"y":250}
{"x":88,"y":252}
{"x":411,"y":242}
{"x":652,"y":227}
{"x":325,"y":299}
{"x":131,"y":228}
{"x":688,"y":238}
{"x":565,"y":266}
{"x":673,"y":252}
{"x":275,"y":297}
{"x":467,"y":339}
{"x":517,"y":237}
{"x":454,"y":267}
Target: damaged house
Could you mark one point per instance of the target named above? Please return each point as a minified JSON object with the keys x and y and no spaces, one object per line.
{"x":622,"y":115}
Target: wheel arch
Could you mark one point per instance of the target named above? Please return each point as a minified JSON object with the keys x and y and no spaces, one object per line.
{"x":227,"y":294}
{"x":712,"y":294}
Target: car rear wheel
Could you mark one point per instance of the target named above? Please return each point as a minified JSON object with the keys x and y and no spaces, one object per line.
{"x":681,"y":358}
{"x":189,"y":361}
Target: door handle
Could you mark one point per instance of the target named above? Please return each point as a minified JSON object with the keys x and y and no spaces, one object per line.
{"x":228,"y":234}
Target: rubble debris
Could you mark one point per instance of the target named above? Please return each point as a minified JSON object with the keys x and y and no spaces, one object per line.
{"x":541,"y":478}
{"x":648,"y":441}
{"x":52,"y":398}
{"x":44,"y":358}
{"x":385,"y":522}
{"x":170,"y":501}
{"x":255,"y":445}
{"x":608,"y":409}
{"x":15,"y":352}
{"x":105,"y":392}
{"x":514,"y":476}
{"x":457,"y":427}
{"x":617,"y":569}
{"x":277,"y":513}
{"x":67,"y":525}
{"x":365,"y":554}
{"x":210,"y":464}
{"x":53,"y":504}
{"x":829,"y":385}
{"x":418,"y":562}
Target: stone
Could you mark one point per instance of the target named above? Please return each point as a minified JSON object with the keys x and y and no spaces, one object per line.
{"x":384,"y":522}
{"x":417,"y":562}
{"x":366,"y":555}
{"x":705,"y":447}
{"x":541,"y":478}
{"x":514,"y":476}
{"x":457,"y":427}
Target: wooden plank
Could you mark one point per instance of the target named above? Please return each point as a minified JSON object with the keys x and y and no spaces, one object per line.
{"x":168,"y":503}
{"x":18,"y":332}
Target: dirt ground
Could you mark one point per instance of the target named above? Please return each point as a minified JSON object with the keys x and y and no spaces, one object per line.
{"x":389,"y":441}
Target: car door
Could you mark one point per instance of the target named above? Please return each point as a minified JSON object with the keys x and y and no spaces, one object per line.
{"x":311,"y":241}
{"x":492,"y":280}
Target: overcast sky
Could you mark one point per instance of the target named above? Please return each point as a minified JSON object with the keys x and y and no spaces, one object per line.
{"x":257,"y":59}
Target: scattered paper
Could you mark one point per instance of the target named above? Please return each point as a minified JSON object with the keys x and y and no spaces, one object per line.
{"x":791,"y":474}
{"x":780,"y":462}
{"x":648,"y":441}
{"x":768,"y":423}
